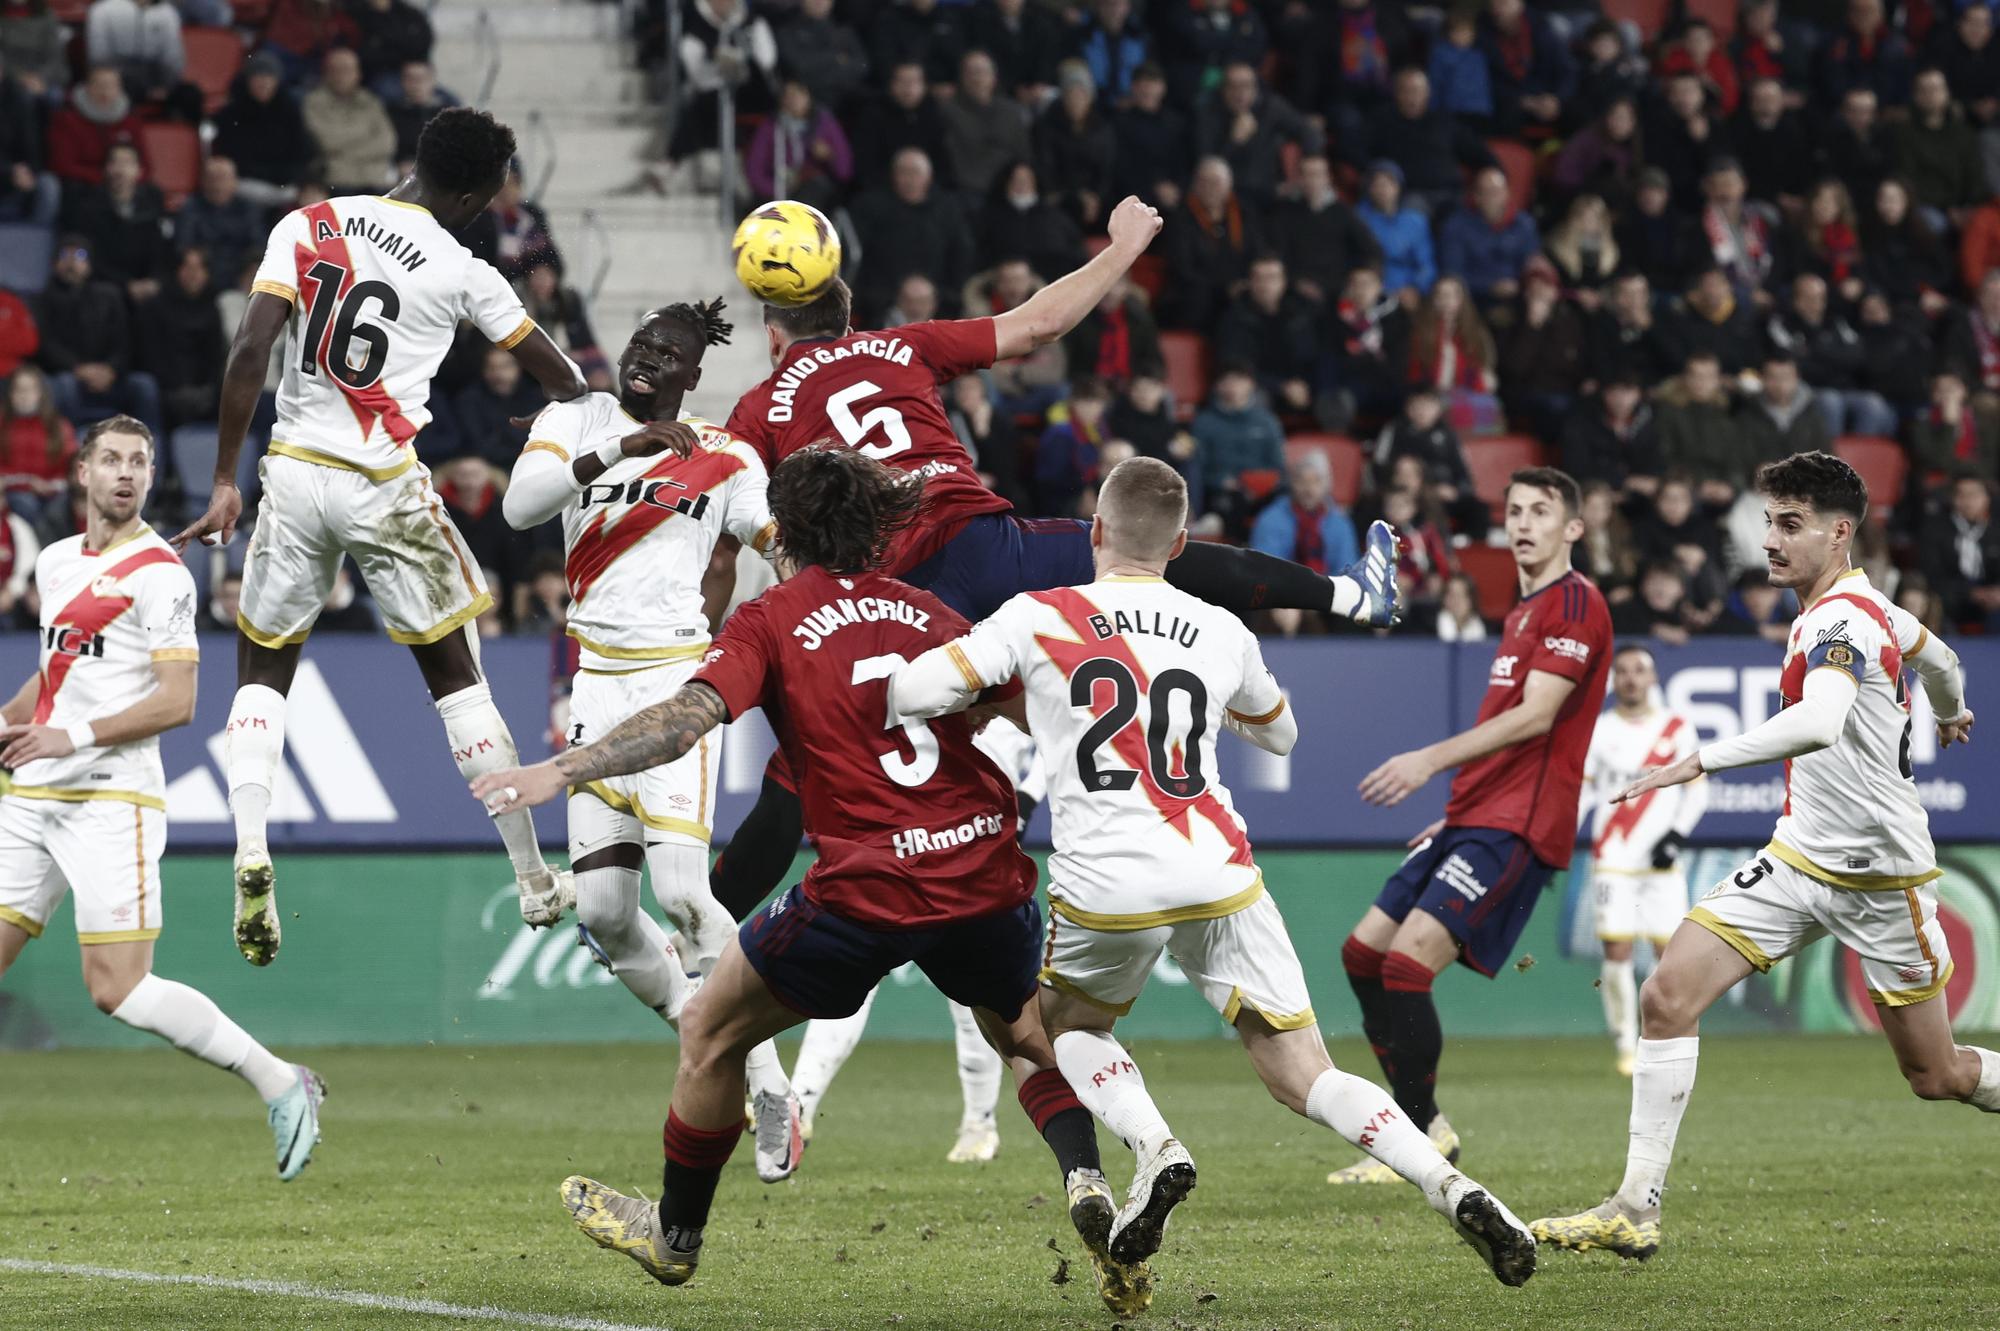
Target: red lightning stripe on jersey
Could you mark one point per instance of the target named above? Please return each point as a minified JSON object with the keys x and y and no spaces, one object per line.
{"x":600,"y":544}
{"x":1627,"y":815}
{"x":1069,"y":657}
{"x":90,"y":614}
{"x":370,"y":403}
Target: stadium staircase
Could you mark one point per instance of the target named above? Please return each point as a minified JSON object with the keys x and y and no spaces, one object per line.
{"x":561,"y":74}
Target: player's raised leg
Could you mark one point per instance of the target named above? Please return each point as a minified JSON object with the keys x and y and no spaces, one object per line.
{"x":979,"y":1070}
{"x":605,"y":857}
{"x":1937,"y":1067}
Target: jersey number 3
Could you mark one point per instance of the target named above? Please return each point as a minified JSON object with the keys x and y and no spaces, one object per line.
{"x":344,"y":313}
{"x":1124,"y":710}
{"x":918,"y":768}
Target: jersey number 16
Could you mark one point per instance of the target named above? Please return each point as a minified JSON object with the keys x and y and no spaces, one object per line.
{"x":344,"y":312}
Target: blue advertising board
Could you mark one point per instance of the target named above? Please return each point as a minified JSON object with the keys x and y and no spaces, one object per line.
{"x":367,"y":766}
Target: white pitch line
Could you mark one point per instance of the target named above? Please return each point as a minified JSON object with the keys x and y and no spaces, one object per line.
{"x":292,"y":1289}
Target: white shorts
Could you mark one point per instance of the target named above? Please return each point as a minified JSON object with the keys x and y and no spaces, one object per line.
{"x":106,"y":851}
{"x":1768,"y":910}
{"x":420,"y":571}
{"x":1241,"y":960}
{"x":673,"y":803}
{"x":1633,"y":904}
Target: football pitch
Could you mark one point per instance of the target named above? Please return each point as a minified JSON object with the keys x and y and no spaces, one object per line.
{"x":1810,"y":1190}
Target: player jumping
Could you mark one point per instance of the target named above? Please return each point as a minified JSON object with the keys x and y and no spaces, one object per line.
{"x":369,"y":292}
{"x":86,"y":811}
{"x":1472,"y":879}
{"x":917,"y":856}
{"x":1635,"y":862}
{"x":1851,"y":855}
{"x":1128,"y":682}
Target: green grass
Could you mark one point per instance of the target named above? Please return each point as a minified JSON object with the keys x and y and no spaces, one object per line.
{"x":1810,"y":1190}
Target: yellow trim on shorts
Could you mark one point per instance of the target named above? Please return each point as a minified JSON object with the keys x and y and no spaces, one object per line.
{"x":269,"y":641}
{"x":70,"y":796}
{"x":278,"y":289}
{"x":633,"y":808}
{"x":120,"y":936}
{"x":299,"y":453}
{"x":658,"y":655}
{"x":177,"y":654}
{"x":1909,"y":997}
{"x":1617,"y":938}
{"x":1264,"y":720}
{"x":517,"y":337}
{"x":1063,"y":984}
{"x":1285,"y":1021}
{"x":480,"y":605}
{"x":965,"y":670}
{"x":1852,"y":882}
{"x":27,"y":926}
{"x":545,"y":446}
{"x":1733,"y":936}
{"x":1153,"y":919}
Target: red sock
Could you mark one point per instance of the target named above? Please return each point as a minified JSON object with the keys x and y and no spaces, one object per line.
{"x":1361,"y":960}
{"x":1404,"y":974}
{"x":698,"y":1148}
{"x":1045,"y":1095}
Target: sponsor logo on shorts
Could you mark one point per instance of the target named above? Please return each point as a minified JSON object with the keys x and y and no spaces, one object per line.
{"x":1459,"y":875}
{"x":918,"y":840}
{"x":1913,"y":973}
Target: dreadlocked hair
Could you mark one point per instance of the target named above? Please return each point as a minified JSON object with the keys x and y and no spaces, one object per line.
{"x":839,"y":509}
{"x":705,"y":318}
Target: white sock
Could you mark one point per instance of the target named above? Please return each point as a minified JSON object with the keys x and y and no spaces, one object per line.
{"x":628,"y":941}
{"x":1986,"y":1095}
{"x":1661,"y":1085}
{"x":480,"y":743}
{"x":190,"y":1021}
{"x":1111,"y":1087}
{"x":979,"y":1065}
{"x":1620,"y":993}
{"x":254,"y":747}
{"x":828,"y":1043}
{"x":1367,"y":1116}
{"x":1347,"y":595}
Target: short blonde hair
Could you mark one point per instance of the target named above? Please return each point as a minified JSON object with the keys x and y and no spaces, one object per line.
{"x":1143,"y":506}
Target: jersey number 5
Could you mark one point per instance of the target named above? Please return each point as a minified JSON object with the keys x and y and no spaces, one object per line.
{"x":344,"y":313}
{"x":915,"y":770}
{"x":1124,"y":710}
{"x":886,"y":419}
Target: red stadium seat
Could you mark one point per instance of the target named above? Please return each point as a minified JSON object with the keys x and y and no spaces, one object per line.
{"x":1492,"y":460}
{"x":69,"y":11}
{"x":251,"y":13}
{"x":1095,"y":245}
{"x":1720,"y":15}
{"x":173,"y":158}
{"x":1149,"y":274}
{"x":1343,"y":456}
{"x":1883,"y":465}
{"x":1491,"y":568}
{"x":213,"y":57}
{"x":1186,"y":355}
{"x":1518,"y":162}
{"x":1648,"y":16}
{"x":1260,"y":483}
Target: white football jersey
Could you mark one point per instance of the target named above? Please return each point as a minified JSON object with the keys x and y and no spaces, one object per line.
{"x":639,"y":537}
{"x":377,"y":289}
{"x":1621,"y":751}
{"x":1129,"y":682}
{"x":107,"y":616}
{"x":1852,"y":817}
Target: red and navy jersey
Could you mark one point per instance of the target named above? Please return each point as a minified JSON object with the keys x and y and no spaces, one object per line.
{"x":1531,"y":788}
{"x":913,"y":825}
{"x":878,"y":392}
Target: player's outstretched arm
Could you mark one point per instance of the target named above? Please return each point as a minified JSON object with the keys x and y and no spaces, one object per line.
{"x":1541,"y":698}
{"x":652,"y":738}
{"x":941,"y":681}
{"x":264,"y":320}
{"x":1278,"y":735}
{"x":1812,"y":723}
{"x":552,"y":369}
{"x":170,"y":704}
{"x":1061,"y":305}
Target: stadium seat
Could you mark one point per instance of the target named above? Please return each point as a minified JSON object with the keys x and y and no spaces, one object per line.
{"x":1260,"y":483}
{"x":25,"y":252}
{"x":69,"y":11}
{"x":173,"y":158}
{"x":1648,"y":16}
{"x":1517,"y":160}
{"x":251,"y":13}
{"x":1492,"y":460}
{"x":194,"y":449}
{"x":1149,"y":274}
{"x":1883,"y":465}
{"x":1491,"y":568}
{"x":1343,"y":455}
{"x":1095,"y":245}
{"x":1186,"y":355}
{"x":213,"y":57}
{"x":1719,"y":14}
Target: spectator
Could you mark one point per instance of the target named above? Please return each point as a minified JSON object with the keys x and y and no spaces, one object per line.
{"x":471,"y":488}
{"x":1956,"y":434}
{"x":1964,"y":53}
{"x":19,"y":549}
{"x":1755,"y":609}
{"x":1915,"y":595}
{"x":217,"y":218}
{"x":1900,"y":252}
{"x":1937,"y":152}
{"x":142,"y":40}
{"x":1530,"y":67}
{"x":1661,"y":242}
{"x":921,"y":32}
{"x":357,"y":144}
{"x":824,"y":54}
{"x":810,"y":144}
{"x":1609,"y":72}
{"x":1610,"y":439}
{"x":1427,"y":146}
{"x":394,"y":34}
{"x":1076,"y":145}
{"x":416,"y":99}
{"x":1606,"y":554}
{"x":1019,"y":219}
{"x":1979,"y":251}
{"x":1867,"y":54}
{"x":1699,"y":435}
{"x":910,"y":227}
{"x":541,"y":603}
{"x":1452,"y":351}
{"x":40,"y":447}
{"x":1659,"y":610}
{"x":486,"y":408}
{"x":916,"y":302}
{"x":1235,"y":435}
{"x":87,"y":344}
{"x":1829,"y":355}
{"x":1305,"y":526}
{"x":1143,"y":418}
{"x":34,"y":48}
{"x":19,"y":338}
{"x":1025,"y":41}
{"x":1458,"y":611}
{"x":1318,"y":236}
{"x":1773,"y":149}
{"x":1409,"y":269}
{"x":1973,"y":342}
{"x":723,"y":45}
{"x":1779,"y":419}
{"x":558,"y":310}
{"x":1584,"y":250}
{"x":1487,"y":242}
{"x":1457,"y":70}
{"x":908,"y":118}
{"x":1961,"y":556}
{"x":1209,"y":241}
{"x":1067,"y":461}
{"x":301,"y":33}
{"x":261,"y":130}
{"x":1424,"y":559}
{"x":124,"y":222}
{"x":1348,"y":54}
{"x":1151,"y":140}
{"x":1710,"y":319}
{"x":1627,"y":338}
{"x":1763,"y":51}
{"x":1697,"y":52}
{"x":1896,"y":354}
{"x":27,"y":192}
{"x":1857,"y":146}
{"x":1422,"y":435}
{"x":83,"y":130}
{"x":1115,"y":341}
{"x":1827,"y":240}
{"x":1208,"y":37}
{"x":984,"y":130}
{"x":1270,"y":327}
{"x":1603,"y":157}
{"x":1541,"y":356}
{"x":989,"y":438}
{"x":181,"y":342}
{"x":1367,"y":367}
{"x":512,"y":234}
{"x":1740,"y":234}
{"x":1113,"y":44}
{"x":1249,"y":127}
{"x":1685,"y":135}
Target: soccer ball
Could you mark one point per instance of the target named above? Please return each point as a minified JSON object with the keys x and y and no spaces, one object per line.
{"x":786,"y":252}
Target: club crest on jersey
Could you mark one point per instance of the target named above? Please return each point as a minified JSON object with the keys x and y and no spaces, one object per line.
{"x":1839,"y":654}
{"x":104,"y":585}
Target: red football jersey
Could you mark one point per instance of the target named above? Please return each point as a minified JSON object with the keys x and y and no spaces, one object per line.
{"x":878,"y":392}
{"x":913,"y":825}
{"x":1530,"y":788}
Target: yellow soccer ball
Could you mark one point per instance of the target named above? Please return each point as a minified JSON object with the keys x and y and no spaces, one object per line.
{"x":786,"y":252}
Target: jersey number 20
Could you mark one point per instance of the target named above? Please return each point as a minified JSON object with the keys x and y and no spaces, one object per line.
{"x":1124,"y":710}
{"x":344,"y":313}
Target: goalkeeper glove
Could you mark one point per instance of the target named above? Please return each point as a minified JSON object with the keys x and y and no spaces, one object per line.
{"x":1668,"y":852}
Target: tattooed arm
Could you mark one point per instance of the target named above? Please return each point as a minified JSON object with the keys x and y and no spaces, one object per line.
{"x":652,"y":738}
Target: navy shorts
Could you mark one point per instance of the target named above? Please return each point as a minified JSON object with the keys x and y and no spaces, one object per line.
{"x":1479,"y":883}
{"x":997,"y":556}
{"x":821,"y":965}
